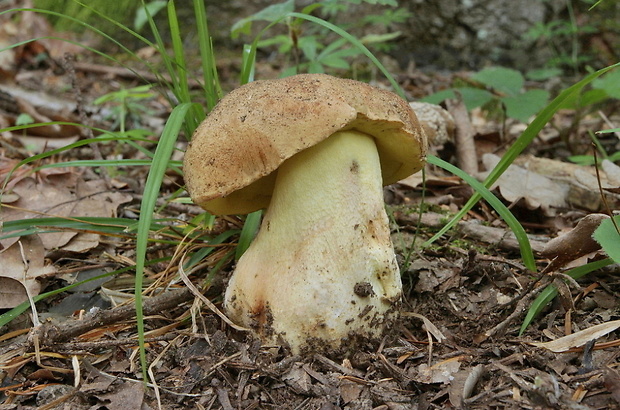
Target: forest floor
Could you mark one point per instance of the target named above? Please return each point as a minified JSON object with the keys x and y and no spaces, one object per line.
{"x":457,"y":344}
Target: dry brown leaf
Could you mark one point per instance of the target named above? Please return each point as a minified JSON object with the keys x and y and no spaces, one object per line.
{"x":19,"y":272}
{"x":428,"y":325}
{"x":582,"y":183}
{"x":612,"y":382}
{"x":442,"y":372}
{"x":536,"y":190}
{"x":63,"y":194}
{"x":580,"y":338}
{"x":575,"y":243}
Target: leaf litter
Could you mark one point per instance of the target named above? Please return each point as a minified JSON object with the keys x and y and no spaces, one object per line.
{"x":458,"y":345}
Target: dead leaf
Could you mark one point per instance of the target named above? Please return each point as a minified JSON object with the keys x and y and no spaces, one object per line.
{"x":127,"y":395}
{"x":581,"y":180}
{"x":17,"y":274}
{"x":298,"y":379}
{"x":575,"y":243}
{"x":463,"y":384}
{"x":350,"y":391}
{"x":442,"y":372}
{"x":580,"y":338}
{"x":612,"y":382}
{"x":612,"y":171}
{"x":63,"y":194}
{"x":536,"y":190}
{"x":428,"y":325}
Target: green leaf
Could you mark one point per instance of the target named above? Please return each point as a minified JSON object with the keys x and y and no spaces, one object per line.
{"x":582,"y":159}
{"x":607,"y":235}
{"x":505,"y":80}
{"x":284,"y":43}
{"x":439,"y":97}
{"x":314,"y":67}
{"x":542,"y":74}
{"x":474,"y":97}
{"x":309,"y":46}
{"x":337,"y":58}
{"x":392,"y":3}
{"x":270,"y":14}
{"x":142,"y":16}
{"x":582,"y":100}
{"x":335,"y":61}
{"x":24,"y":119}
{"x":610,"y":83}
{"x":523,"y":106}
{"x":358,"y":44}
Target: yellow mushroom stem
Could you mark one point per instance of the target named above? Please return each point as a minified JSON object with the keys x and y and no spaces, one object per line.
{"x":322,"y":270}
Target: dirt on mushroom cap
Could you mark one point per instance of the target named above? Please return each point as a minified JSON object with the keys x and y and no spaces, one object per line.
{"x":230,"y":163}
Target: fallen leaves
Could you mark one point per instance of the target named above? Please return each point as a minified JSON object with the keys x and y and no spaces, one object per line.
{"x":63,"y":195}
{"x":22,"y":265}
{"x":575,"y":243}
{"x":565,"y":343}
{"x":60,"y":194}
{"x":536,"y":190}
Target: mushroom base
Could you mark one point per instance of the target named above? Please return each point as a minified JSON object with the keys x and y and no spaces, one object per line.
{"x":321,"y":273}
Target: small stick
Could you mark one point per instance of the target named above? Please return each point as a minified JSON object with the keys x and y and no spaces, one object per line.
{"x":464,"y":136}
{"x":50,"y":334}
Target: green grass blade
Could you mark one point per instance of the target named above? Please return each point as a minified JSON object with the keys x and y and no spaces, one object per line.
{"x":250,"y":227}
{"x":121,"y":227}
{"x":164,"y":150}
{"x":101,"y":163}
{"x":247,"y":63}
{"x":520,"y":144}
{"x":182,"y":91}
{"x":107,"y":137}
{"x":550,"y":292}
{"x":350,"y":38}
{"x":524,"y":243}
{"x":207,"y":55}
{"x":161,"y":47}
{"x":178,"y":59}
{"x":357,"y":43}
{"x":204,"y":252}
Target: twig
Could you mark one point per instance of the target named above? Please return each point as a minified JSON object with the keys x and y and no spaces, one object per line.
{"x":464,"y":137}
{"x":338,"y":367}
{"x":82,"y":347}
{"x":50,"y":334}
{"x":523,"y":302}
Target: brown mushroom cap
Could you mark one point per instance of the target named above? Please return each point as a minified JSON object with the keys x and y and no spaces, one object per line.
{"x":229,"y":165}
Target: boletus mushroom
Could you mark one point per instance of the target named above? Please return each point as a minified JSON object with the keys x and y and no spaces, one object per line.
{"x":315,"y":151}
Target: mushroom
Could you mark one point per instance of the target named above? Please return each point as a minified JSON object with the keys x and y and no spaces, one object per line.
{"x":315,"y":151}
